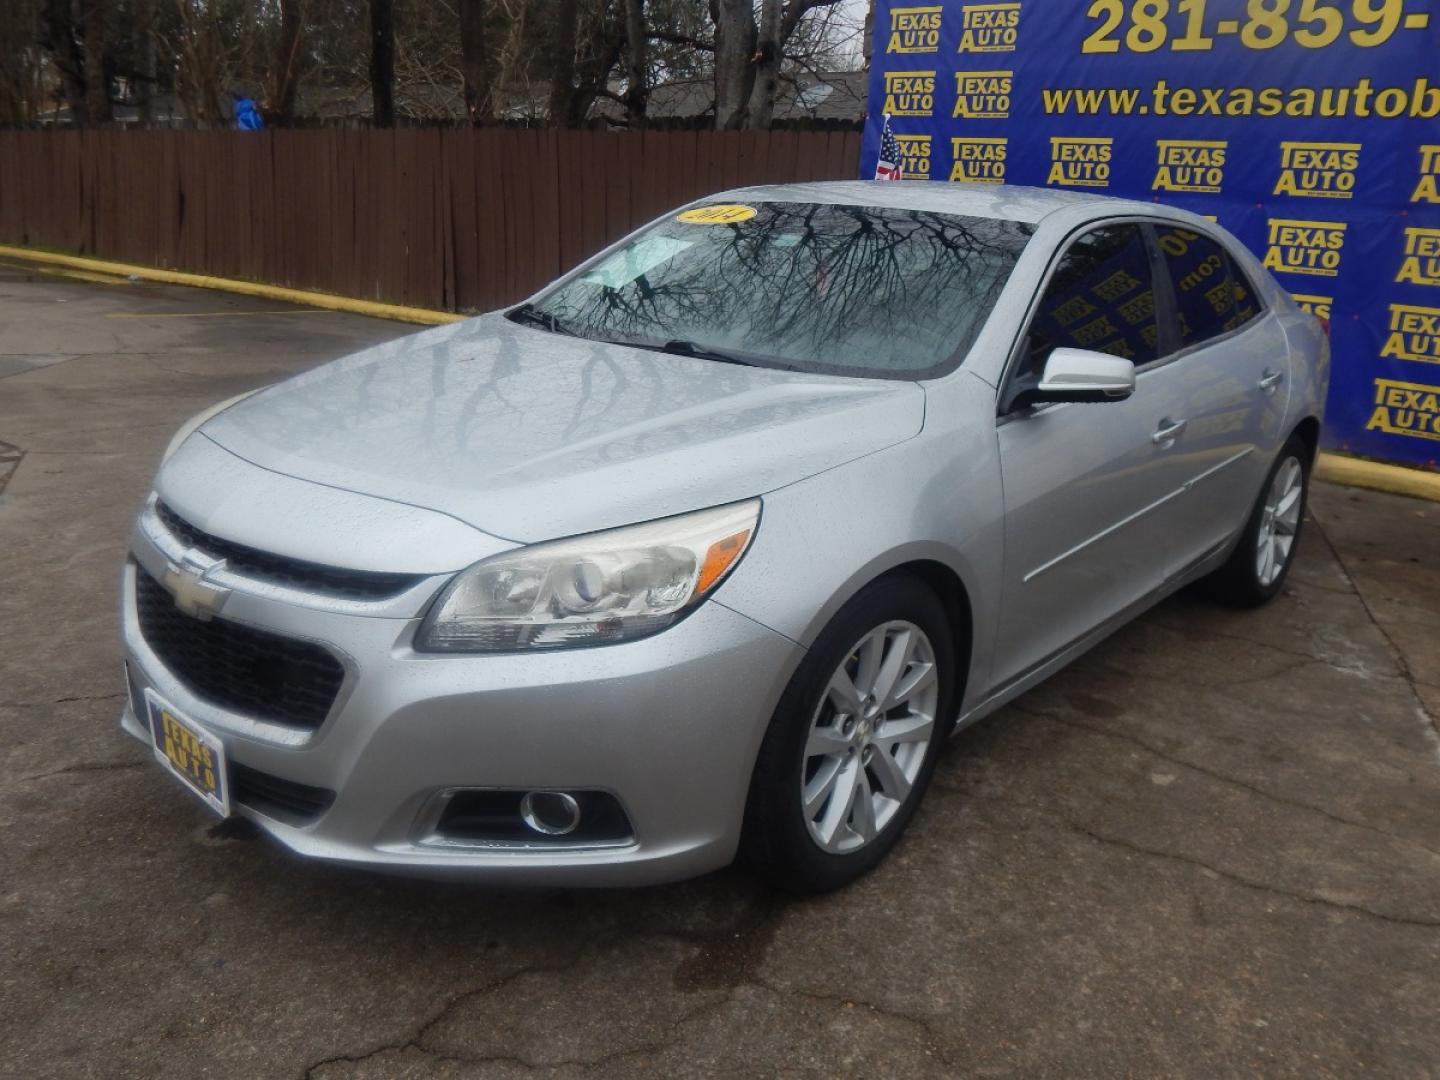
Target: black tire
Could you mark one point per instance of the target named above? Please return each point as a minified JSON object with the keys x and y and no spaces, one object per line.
{"x":1238,"y":583}
{"x":776,"y":842}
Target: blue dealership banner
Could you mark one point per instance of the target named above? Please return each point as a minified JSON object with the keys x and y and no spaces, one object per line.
{"x":1308,"y":128}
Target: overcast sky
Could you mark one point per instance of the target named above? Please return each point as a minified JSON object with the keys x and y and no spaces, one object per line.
{"x":852,"y":14}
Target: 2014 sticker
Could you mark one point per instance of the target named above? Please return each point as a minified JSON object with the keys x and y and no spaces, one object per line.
{"x":719,"y":214}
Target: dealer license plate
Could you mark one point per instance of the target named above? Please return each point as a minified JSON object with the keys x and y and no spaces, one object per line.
{"x":191,"y":753}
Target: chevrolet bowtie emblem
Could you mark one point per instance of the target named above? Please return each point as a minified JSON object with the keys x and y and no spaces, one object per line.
{"x":193,"y":594}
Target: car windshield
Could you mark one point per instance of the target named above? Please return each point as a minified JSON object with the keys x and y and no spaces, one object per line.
{"x":848,"y":290}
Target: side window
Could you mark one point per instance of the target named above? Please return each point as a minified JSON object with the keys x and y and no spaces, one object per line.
{"x":1210,"y":297}
{"x":1101,"y":297}
{"x":1248,"y":304}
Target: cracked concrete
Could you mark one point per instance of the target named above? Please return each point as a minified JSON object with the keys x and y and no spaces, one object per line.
{"x":1220,"y":777}
{"x":1208,"y":848}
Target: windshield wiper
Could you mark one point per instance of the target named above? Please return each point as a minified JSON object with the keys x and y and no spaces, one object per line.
{"x":675,"y":346}
{"x":682,"y":347}
{"x":533,"y":316}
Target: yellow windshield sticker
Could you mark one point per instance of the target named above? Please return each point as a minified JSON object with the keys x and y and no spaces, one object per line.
{"x":720,"y":214}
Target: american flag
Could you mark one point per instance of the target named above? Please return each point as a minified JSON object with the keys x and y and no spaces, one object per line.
{"x":889,"y":167}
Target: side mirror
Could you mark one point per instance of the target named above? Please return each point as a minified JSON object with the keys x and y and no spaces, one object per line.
{"x":1082,"y":375}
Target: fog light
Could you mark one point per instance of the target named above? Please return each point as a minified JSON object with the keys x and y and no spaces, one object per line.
{"x":553,"y":813}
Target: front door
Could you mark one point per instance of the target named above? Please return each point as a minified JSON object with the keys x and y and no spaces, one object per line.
{"x":1085,"y":484}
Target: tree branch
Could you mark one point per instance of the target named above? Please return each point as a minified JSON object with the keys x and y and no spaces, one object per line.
{"x":796,"y":10}
{"x":681,"y":39}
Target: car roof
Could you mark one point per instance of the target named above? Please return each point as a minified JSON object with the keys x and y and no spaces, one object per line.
{"x":1013,"y":203}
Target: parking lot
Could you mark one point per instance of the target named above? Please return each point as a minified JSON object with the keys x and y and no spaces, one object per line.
{"x":1211,"y":847}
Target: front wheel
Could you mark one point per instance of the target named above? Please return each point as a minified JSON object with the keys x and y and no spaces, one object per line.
{"x":851,"y":747}
{"x":1261,"y":560}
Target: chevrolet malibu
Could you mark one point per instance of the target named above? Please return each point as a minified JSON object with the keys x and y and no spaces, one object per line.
{"x":704,"y":549}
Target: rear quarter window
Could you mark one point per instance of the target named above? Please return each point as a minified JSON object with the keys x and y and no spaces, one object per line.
{"x":1248,"y":304}
{"x":1213,"y":296}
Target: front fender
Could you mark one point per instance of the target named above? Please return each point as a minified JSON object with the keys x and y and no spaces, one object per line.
{"x":936,"y":498}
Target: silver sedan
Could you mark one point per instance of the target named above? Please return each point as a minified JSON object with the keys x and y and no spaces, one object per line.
{"x":705,"y":549}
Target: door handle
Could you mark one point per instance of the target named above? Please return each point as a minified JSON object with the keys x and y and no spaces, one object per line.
{"x":1271,"y":379}
{"x":1168,"y":431}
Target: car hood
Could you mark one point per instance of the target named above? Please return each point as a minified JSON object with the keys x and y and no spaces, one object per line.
{"x":529,"y":435}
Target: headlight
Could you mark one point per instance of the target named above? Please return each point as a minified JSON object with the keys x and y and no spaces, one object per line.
{"x":193,"y":424}
{"x":590,"y":590}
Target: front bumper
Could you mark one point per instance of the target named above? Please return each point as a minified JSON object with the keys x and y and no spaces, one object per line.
{"x":670,"y":725}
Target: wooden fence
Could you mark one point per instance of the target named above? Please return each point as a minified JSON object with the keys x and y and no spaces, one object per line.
{"x":444,"y":218}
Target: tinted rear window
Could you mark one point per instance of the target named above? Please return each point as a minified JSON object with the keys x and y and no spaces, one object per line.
{"x":1210,"y":299}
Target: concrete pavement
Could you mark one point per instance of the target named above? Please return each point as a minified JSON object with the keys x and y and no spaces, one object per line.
{"x":1211,"y":847}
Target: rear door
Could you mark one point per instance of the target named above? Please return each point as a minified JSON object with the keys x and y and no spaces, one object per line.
{"x":1085,"y":484}
{"x":1231,"y":374}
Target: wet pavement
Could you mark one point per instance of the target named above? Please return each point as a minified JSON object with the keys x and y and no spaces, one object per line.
{"x":1211,"y":847}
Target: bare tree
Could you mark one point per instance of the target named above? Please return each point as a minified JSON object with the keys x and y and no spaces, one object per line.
{"x":475,"y":60}
{"x":511,"y":66}
{"x":382,"y":61}
{"x":587,"y":45}
{"x":434,"y":59}
{"x":768,"y":45}
{"x":637,"y":86}
{"x":213,"y":45}
{"x":62,"y":41}
{"x":21,"y":61}
{"x":97,"y":79}
{"x":602,"y":47}
{"x":285,"y":79}
{"x":144,"y":57}
{"x":735,"y":35}
{"x":748,"y":56}
{"x":562,"y":61}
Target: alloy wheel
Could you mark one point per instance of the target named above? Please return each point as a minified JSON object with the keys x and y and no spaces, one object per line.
{"x":868,"y":737}
{"x":1279,"y":522}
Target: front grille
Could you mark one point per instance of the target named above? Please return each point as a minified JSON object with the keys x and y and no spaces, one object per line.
{"x":284,"y":800}
{"x":252,"y":672}
{"x":281,"y":570}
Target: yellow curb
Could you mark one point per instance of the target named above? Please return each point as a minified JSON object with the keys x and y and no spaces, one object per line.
{"x":376,"y":310}
{"x":1395,"y":479}
{"x":72,"y":275}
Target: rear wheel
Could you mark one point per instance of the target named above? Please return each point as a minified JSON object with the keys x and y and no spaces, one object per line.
{"x":1257,"y":568}
{"x":851,"y":747}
